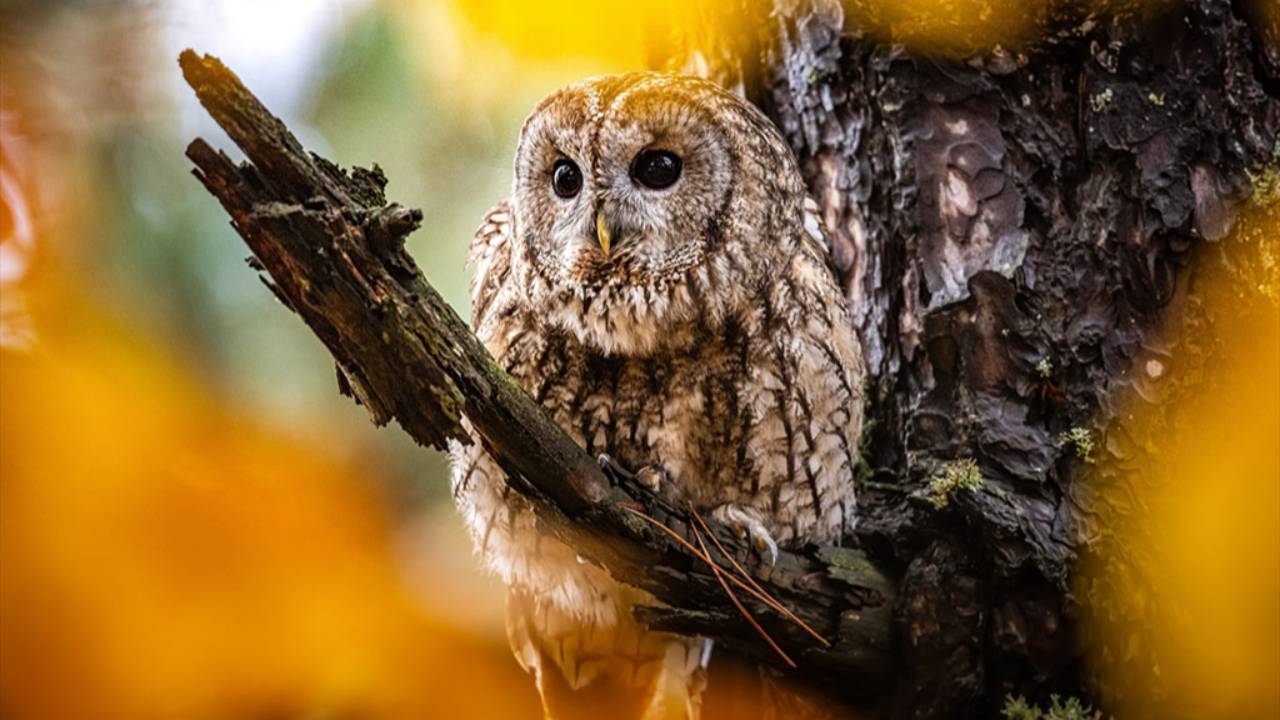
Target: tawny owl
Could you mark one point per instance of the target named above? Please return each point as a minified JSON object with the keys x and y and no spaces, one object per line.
{"x":659,"y":285}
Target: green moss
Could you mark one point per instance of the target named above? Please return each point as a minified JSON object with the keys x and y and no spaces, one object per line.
{"x":1265,"y":182}
{"x":962,"y":474}
{"x":1017,"y":708}
{"x":1255,"y":244}
{"x":1082,"y":439}
{"x":1101,"y":100}
{"x":851,"y":560}
{"x":1072,"y":709}
{"x":635,"y":525}
{"x":853,"y":567}
{"x":1044,"y":368}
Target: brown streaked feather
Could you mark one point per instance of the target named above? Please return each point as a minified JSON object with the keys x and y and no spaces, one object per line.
{"x":490,"y":259}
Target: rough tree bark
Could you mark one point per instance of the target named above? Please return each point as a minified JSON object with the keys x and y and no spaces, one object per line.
{"x":1013,"y":228}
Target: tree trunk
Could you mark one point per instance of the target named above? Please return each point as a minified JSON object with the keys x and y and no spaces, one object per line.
{"x":1015,"y":230}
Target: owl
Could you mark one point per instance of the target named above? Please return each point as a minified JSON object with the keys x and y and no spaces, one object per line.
{"x":658,"y":282}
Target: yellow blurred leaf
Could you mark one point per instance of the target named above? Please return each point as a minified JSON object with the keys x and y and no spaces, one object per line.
{"x":162,"y":557}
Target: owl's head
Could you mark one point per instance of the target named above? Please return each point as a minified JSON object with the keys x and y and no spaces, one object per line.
{"x":647,"y":205}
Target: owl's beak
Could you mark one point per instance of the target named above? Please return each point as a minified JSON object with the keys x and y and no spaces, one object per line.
{"x":602,"y":232}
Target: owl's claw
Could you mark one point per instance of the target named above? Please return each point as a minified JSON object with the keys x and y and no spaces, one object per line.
{"x":747,"y":522}
{"x":650,"y":476}
{"x":613,"y":469}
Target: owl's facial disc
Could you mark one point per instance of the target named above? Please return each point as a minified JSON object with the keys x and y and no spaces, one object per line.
{"x":627,"y":191}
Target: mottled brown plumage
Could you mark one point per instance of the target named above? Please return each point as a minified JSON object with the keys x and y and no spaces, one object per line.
{"x":710,"y":341}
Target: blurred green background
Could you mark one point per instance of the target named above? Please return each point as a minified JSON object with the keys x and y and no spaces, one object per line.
{"x":360,"y":82}
{"x":146,"y":367}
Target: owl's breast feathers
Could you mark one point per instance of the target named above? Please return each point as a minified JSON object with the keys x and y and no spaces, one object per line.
{"x":760,"y":407}
{"x":763,"y":408}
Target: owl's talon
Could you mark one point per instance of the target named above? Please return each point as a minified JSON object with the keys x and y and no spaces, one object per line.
{"x":748,"y":523}
{"x":613,"y":469}
{"x":652,"y":477}
{"x":771,"y":545}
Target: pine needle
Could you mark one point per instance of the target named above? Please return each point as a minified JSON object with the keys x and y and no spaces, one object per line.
{"x":753,"y":588}
{"x":696,"y":553}
{"x":768,"y":599}
{"x":720,"y":575}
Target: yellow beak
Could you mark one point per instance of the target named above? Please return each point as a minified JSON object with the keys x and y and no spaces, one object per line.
{"x":602,"y":232}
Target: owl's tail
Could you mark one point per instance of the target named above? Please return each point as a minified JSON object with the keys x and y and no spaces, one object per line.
{"x":585,"y":670}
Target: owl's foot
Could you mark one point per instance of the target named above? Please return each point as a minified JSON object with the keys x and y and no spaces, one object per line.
{"x":748,"y":523}
{"x":651,"y":476}
{"x":614,"y":469}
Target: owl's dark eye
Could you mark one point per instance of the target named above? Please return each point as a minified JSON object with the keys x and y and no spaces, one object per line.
{"x":566,"y":178}
{"x":656,"y":169}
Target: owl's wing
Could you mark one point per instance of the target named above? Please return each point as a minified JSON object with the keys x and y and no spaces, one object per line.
{"x":490,"y":260}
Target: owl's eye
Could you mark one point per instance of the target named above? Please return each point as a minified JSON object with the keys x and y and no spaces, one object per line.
{"x":566,"y":178}
{"x":656,"y":169}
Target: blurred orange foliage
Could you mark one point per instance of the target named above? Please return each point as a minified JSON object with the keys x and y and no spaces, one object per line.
{"x":162,"y":557}
{"x":1183,"y":595}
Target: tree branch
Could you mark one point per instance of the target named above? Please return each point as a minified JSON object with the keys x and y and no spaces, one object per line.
{"x":334,"y":252}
